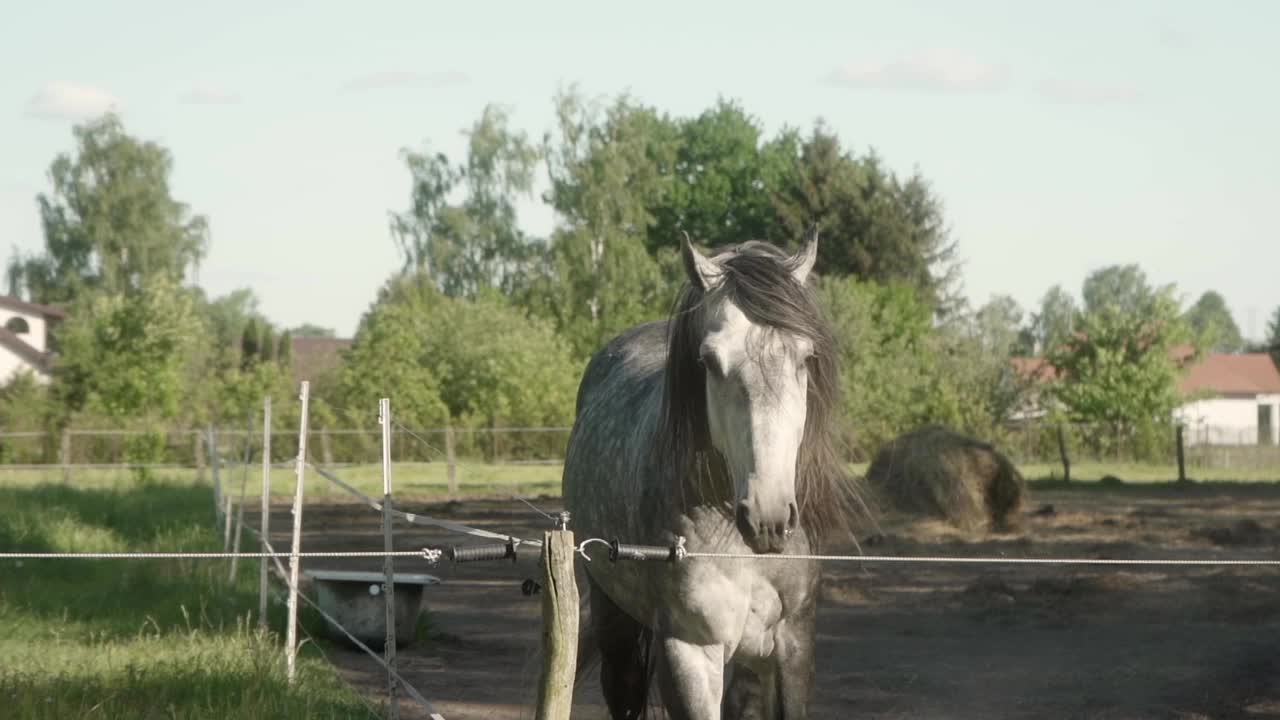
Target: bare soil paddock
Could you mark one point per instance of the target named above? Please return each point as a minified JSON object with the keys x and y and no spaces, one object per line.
{"x":923,"y":641}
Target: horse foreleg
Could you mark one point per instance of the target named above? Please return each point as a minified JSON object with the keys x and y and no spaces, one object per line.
{"x":624,"y":657}
{"x":692,"y":679}
{"x":793,"y":666}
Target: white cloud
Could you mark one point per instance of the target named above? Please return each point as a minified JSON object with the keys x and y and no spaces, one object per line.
{"x":404,"y":79}
{"x":1088,"y":94}
{"x":68,"y":101}
{"x":934,"y":70}
{"x":209,"y":95}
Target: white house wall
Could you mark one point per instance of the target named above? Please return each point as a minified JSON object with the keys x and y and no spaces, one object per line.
{"x":36,"y":337}
{"x":1228,"y":421}
{"x":11,"y":365}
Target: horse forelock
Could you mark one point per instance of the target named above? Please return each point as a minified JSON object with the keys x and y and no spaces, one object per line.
{"x":758,"y":280}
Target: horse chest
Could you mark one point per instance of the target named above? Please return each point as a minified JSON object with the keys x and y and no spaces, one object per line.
{"x":731,"y":603}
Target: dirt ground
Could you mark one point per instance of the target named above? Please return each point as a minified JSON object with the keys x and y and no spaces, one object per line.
{"x":920,"y":641}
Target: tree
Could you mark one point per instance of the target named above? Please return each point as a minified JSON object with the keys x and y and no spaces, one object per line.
{"x":1123,"y":287}
{"x":284,"y":349}
{"x":721,"y":181}
{"x":110,"y":223}
{"x":996,"y":325}
{"x":476,"y":243}
{"x":250,"y":345}
{"x":1273,"y":336}
{"x":125,"y":356}
{"x":1118,"y":370}
{"x":874,"y":226}
{"x":313,"y":331}
{"x":608,"y":168}
{"x":1212,"y":326}
{"x":475,"y":363}
{"x":1056,"y":321}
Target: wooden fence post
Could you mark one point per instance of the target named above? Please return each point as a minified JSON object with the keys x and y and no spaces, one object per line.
{"x":265,"y":520}
{"x":197,"y":454}
{"x":212,"y":441}
{"x":244,"y":484}
{"x":1062,"y":452}
{"x":1182,"y":463}
{"x":388,"y":567}
{"x":64,"y":455}
{"x":291,"y":639}
{"x":326,"y":450}
{"x":559,"y":625}
{"x":452,"y":463}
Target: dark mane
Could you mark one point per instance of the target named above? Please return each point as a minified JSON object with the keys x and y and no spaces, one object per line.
{"x":758,"y":280}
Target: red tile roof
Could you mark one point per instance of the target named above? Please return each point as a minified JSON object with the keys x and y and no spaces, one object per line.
{"x":1216,"y":373}
{"x":1224,"y":374}
{"x":312,"y":357}
{"x":10,"y":302}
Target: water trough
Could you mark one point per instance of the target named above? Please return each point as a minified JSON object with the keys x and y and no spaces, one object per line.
{"x":354,"y":599}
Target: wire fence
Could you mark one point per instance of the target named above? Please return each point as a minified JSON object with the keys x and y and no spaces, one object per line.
{"x":1035,"y":443}
{"x":196,"y":448}
{"x":335,"y":447}
{"x":1213,"y":447}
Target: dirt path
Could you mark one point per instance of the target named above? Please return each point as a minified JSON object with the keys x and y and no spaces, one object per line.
{"x":925,"y":641}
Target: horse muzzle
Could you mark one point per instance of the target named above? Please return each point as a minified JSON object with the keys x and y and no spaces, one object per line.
{"x":767,"y":532}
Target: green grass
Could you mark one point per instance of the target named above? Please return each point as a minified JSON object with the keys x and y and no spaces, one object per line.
{"x":427,"y":480}
{"x":1146,"y":473}
{"x":141,"y":638}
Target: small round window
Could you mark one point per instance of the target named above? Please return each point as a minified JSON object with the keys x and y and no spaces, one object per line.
{"x":17,"y":325}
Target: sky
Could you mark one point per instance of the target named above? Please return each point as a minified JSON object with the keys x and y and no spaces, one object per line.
{"x":1061,"y":137}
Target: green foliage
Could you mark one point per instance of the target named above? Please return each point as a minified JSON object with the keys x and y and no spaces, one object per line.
{"x":1121,"y":287}
{"x":250,"y":347}
{"x":1273,"y":335}
{"x":309,"y":330}
{"x":873,"y":225}
{"x":1211,"y":324}
{"x":110,"y":223}
{"x":608,"y":169}
{"x":721,"y":180}
{"x":1056,"y":321}
{"x":126,"y":355}
{"x":472,"y":362}
{"x":284,"y":349}
{"x":1119,"y":369}
{"x":475,"y":244}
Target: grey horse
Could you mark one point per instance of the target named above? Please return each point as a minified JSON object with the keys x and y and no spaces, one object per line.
{"x":713,"y":426}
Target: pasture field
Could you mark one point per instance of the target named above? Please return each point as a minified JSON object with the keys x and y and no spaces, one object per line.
{"x":141,"y":638}
{"x":411,"y":479}
{"x":923,"y":641}
{"x":479,"y":479}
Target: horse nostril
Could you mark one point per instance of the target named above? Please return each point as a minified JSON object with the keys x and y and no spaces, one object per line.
{"x":793,"y":517}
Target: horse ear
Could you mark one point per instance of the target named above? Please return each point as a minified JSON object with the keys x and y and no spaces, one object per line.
{"x":702,"y":271}
{"x":802,"y":262}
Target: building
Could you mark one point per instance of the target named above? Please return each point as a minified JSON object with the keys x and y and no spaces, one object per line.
{"x":25,"y":329}
{"x":1232,"y":399}
{"x":1238,"y":400}
{"x":313,"y":358}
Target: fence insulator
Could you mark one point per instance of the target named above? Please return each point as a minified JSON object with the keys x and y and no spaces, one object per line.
{"x":476,"y":553}
{"x":623,"y":551}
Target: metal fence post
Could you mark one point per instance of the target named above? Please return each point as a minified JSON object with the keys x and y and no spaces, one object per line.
{"x":388,"y":567}
{"x":291,"y":639}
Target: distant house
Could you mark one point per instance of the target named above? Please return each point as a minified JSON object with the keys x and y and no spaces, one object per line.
{"x":1232,"y":399}
{"x":311,"y":358}
{"x":24,"y":337}
{"x":1240,"y":402}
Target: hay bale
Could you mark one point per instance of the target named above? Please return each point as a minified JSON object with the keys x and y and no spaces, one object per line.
{"x":937,"y":472}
